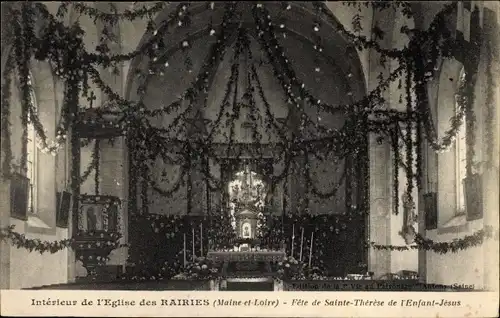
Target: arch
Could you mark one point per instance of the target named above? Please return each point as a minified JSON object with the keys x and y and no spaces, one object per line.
{"x":45,"y":81}
{"x":449,"y":78}
{"x":336,"y":48}
{"x":443,"y":110}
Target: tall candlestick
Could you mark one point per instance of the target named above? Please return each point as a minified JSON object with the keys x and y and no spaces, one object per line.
{"x":311,"y":249}
{"x":193,"y":243}
{"x":301,"y":244}
{"x":201,"y":239}
{"x":293,"y":238}
{"x":184,"y":249}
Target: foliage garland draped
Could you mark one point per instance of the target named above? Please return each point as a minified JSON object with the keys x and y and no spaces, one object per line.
{"x":21,"y":241}
{"x":63,"y":48}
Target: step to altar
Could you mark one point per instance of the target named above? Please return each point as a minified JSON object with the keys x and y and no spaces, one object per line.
{"x":249,"y":286}
{"x":264,"y":283}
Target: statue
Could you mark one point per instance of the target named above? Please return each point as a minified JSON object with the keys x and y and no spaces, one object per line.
{"x":91,"y":219}
{"x":246,"y":231}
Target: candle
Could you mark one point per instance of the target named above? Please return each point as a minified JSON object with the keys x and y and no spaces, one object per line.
{"x":301,"y":244}
{"x":193,"y":243}
{"x":184,"y":249}
{"x":201,"y":239}
{"x":293,"y":238}
{"x":311,"y":249}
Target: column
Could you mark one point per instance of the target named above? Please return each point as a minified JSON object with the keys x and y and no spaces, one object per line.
{"x":4,"y":222}
{"x":491,"y":173}
{"x":4,"y":200}
{"x":379,"y":261}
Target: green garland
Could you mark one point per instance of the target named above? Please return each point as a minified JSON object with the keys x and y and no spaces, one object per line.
{"x":396,"y":164}
{"x":113,"y":18}
{"x":6,"y":134}
{"x":20,"y":241}
{"x":80,"y":67}
{"x":491,"y":68}
{"x":421,"y":243}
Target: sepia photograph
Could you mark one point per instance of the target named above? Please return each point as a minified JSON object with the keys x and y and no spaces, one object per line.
{"x":348,"y":147}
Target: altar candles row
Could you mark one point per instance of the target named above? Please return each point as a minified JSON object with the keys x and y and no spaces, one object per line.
{"x":193,"y":243}
{"x":302,"y":244}
{"x":184,"y":250}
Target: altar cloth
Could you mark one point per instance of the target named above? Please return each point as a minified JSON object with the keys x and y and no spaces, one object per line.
{"x":249,"y":279}
{"x":246,"y":256}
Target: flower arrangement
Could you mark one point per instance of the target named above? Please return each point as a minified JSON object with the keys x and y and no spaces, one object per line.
{"x":290,"y":268}
{"x":313,"y":273}
{"x":199,"y":269}
{"x":136,"y":272}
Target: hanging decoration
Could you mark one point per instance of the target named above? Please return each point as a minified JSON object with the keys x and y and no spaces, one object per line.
{"x":491,"y":68}
{"x":62,"y":46}
{"x":421,"y":243}
{"x":5,"y":121}
{"x":20,"y":241}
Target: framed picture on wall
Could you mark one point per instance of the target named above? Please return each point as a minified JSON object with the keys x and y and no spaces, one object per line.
{"x":430,"y":209}
{"x":19,"y":187}
{"x":63,"y":201}
{"x":98,"y":213}
{"x":473,"y":197}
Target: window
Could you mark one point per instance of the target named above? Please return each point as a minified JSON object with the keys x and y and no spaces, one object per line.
{"x":461,"y":159}
{"x":31,"y":156}
{"x":449,"y":171}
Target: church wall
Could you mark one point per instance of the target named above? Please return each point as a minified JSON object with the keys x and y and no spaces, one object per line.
{"x":164,"y":89}
{"x":21,"y":269}
{"x":27,"y":269}
{"x":476,"y":266}
{"x":407,"y":260}
{"x":344,"y":14}
{"x":384,"y":224}
{"x":328,"y":84}
{"x":272,"y":92}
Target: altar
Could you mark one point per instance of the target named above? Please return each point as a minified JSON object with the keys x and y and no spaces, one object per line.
{"x":247,"y":266}
{"x":246,"y":270}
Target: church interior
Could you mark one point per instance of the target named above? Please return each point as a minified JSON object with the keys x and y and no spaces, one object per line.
{"x":249,"y":145}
